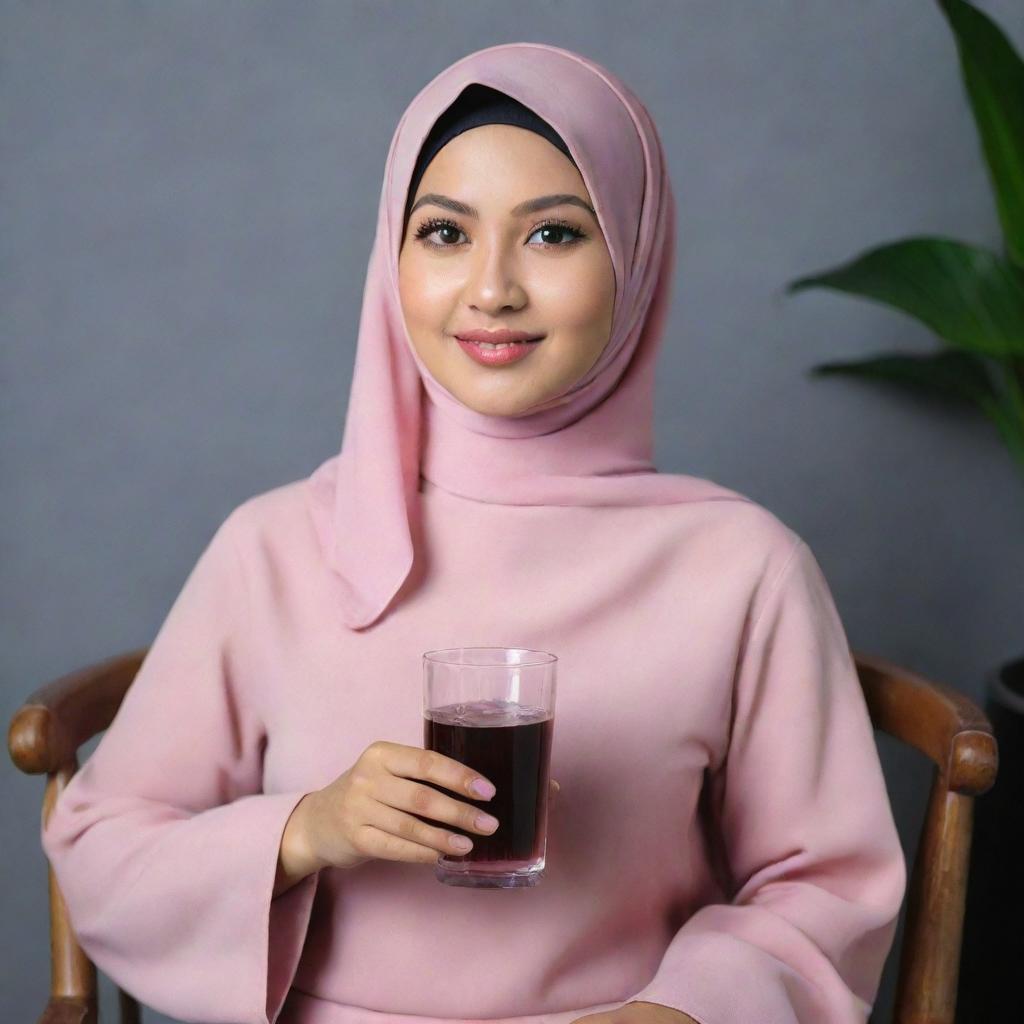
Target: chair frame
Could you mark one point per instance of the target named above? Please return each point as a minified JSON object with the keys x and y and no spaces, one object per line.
{"x":46,"y":732}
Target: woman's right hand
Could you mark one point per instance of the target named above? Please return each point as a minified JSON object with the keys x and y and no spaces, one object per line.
{"x":370,"y":810}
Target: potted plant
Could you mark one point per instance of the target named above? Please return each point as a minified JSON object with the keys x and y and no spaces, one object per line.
{"x":972,"y":298}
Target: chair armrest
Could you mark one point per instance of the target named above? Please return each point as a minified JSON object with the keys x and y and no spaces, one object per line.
{"x":56,"y":719}
{"x":941,"y":722}
{"x":68,"y":1010}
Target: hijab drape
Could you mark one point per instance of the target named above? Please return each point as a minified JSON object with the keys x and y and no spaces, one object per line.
{"x":591,"y":445}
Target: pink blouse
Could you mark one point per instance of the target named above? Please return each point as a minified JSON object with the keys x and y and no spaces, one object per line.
{"x":722,"y":843}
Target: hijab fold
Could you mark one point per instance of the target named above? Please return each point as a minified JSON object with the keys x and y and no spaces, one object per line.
{"x":592,"y":444}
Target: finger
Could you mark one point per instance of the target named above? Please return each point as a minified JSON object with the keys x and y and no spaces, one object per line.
{"x":373,"y":842}
{"x":425,"y":802}
{"x":429,"y":765}
{"x":389,"y":822}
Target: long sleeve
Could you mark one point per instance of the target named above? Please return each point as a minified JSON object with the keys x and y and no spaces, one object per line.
{"x":164,"y":845}
{"x":803,"y":817}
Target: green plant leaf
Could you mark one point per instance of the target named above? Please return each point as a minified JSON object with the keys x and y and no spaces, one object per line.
{"x":1010,"y":428}
{"x":954,"y":375}
{"x":993,"y":75}
{"x":969,"y":296}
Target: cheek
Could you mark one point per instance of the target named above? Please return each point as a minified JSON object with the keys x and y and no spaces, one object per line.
{"x":578,"y":298}
{"x":426,"y":295}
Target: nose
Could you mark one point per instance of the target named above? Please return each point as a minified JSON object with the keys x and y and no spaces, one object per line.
{"x":494,"y":281}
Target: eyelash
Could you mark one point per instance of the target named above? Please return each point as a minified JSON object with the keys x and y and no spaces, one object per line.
{"x":428,"y":227}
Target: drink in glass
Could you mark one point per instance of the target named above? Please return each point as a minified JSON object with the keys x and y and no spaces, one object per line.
{"x":492,"y":709}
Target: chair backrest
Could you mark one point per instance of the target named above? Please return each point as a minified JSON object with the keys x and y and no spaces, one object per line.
{"x":44,"y":736}
{"x":956,"y":735}
{"x":47,"y":731}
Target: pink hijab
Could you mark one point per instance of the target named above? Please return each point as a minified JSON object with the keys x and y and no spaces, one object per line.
{"x":591,"y":445}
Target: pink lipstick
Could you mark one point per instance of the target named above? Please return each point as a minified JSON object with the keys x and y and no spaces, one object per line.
{"x":497,"y":348}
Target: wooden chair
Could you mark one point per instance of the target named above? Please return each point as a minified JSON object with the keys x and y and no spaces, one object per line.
{"x":46,"y":732}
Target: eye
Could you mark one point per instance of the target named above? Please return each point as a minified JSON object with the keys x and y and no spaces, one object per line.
{"x":560,"y":228}
{"x":437,"y":224}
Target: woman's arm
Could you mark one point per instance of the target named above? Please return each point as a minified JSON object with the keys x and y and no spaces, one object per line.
{"x":164,"y":844}
{"x":802,"y":811}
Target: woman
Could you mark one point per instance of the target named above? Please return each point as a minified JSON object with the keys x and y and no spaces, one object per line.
{"x":251,"y":840}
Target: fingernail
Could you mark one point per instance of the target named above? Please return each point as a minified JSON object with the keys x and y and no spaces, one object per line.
{"x":483,"y":788}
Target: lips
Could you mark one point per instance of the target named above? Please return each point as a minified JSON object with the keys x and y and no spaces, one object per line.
{"x":511,"y":346}
{"x":497,"y":337}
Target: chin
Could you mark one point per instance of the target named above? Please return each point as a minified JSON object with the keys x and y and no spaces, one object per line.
{"x":497,"y":408}
{"x":490,"y":409}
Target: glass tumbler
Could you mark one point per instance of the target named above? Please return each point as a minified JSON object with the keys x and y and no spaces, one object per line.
{"x":493,"y":710}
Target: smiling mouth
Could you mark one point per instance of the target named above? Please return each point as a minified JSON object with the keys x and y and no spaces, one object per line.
{"x":506,"y":344}
{"x":500,"y":354}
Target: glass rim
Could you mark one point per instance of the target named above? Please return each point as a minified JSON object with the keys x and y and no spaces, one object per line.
{"x":437,"y":657}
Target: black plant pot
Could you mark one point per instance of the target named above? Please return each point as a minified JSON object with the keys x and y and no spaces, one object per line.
{"x":991,"y":986}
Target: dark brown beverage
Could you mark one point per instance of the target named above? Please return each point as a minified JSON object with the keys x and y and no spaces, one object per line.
{"x":511,"y":746}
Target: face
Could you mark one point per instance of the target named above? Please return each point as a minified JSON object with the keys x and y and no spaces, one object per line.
{"x":544,"y":270}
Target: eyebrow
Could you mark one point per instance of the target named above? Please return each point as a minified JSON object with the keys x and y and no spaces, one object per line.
{"x":527,"y":207}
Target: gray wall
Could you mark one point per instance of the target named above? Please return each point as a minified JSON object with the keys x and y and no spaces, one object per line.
{"x":189,"y":198}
